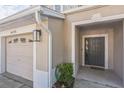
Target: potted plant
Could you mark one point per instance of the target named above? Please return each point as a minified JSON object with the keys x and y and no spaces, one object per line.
{"x":63,"y":74}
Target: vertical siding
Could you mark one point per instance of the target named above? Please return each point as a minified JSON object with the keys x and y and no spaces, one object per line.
{"x":56,"y":27}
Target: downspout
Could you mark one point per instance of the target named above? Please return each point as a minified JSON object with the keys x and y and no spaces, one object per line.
{"x":42,"y":25}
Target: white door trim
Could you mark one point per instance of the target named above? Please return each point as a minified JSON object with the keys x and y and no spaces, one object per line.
{"x":106,"y":47}
{"x":73,"y":51}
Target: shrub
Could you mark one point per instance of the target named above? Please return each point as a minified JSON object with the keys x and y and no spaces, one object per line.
{"x":64,"y":73}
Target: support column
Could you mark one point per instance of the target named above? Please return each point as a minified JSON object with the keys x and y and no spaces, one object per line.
{"x":2,"y":55}
{"x":40,"y":62}
{"x":123,"y":55}
{"x":73,"y":50}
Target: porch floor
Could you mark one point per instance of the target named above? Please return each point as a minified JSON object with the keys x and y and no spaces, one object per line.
{"x":8,"y":80}
{"x":103,"y":78}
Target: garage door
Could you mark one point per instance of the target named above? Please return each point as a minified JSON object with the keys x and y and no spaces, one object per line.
{"x":19,"y":59}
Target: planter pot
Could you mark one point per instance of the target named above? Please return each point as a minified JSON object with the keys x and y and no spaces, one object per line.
{"x":61,"y":85}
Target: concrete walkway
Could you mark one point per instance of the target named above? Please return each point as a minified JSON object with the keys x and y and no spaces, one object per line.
{"x":8,"y":80}
{"x":89,"y":77}
{"x":86,"y":78}
{"x":80,"y":83}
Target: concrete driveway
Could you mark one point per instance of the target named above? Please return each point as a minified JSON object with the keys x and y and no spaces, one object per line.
{"x":8,"y":80}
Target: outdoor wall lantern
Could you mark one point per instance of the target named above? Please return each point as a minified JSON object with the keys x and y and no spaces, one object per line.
{"x":36,"y":35}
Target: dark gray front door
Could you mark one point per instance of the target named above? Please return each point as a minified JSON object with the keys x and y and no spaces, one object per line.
{"x":95,"y":51}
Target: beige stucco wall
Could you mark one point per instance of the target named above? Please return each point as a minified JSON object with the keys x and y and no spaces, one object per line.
{"x":42,"y":48}
{"x":118,"y":49}
{"x":77,"y":48}
{"x":42,"y":53}
{"x":56,"y":27}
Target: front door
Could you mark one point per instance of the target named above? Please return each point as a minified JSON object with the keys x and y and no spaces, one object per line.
{"x":95,"y":51}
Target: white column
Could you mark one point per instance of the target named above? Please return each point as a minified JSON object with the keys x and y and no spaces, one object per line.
{"x":40,"y":78}
{"x":2,"y":55}
{"x":34,"y":63}
{"x":73,"y":50}
{"x":123,"y":55}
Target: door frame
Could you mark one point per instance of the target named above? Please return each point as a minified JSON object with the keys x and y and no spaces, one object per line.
{"x":106,"y":48}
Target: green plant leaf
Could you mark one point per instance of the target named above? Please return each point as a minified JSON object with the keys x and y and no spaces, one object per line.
{"x":64,"y":73}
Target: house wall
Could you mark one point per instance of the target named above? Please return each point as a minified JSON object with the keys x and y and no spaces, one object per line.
{"x":57,"y":31}
{"x":56,"y":28}
{"x":42,"y":49}
{"x":97,"y":30}
{"x":77,"y":48}
{"x":118,"y":47}
{"x":42,"y":53}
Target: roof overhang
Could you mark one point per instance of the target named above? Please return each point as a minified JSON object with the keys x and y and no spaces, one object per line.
{"x":49,"y":12}
{"x":44,"y":10}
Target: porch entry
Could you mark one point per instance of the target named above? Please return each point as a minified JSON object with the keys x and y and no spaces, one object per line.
{"x":94,"y":51}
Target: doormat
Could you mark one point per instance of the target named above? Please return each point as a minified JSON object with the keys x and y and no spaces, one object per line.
{"x":97,"y":68}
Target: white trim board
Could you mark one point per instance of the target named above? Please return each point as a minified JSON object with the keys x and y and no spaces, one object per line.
{"x":53,"y":76}
{"x":40,"y":79}
{"x":73,"y":50}
{"x":106,"y":47}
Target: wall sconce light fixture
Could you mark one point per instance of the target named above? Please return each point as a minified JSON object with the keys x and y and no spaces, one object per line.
{"x":36,"y":35}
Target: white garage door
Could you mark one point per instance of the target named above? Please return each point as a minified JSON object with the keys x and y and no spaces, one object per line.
{"x":19,"y":59}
